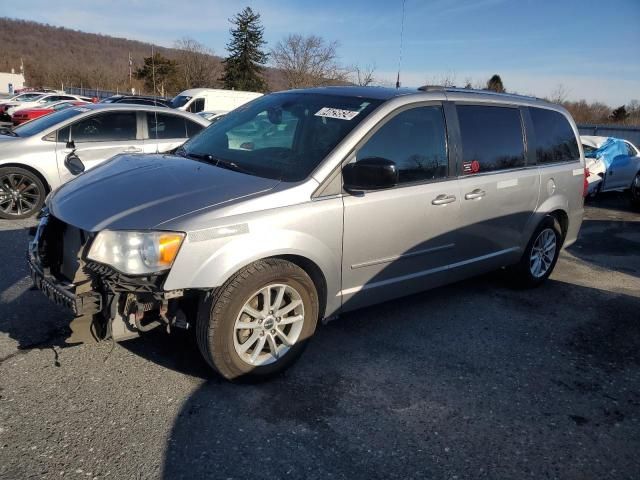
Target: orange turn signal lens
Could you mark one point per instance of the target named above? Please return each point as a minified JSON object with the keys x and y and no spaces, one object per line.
{"x":168,"y":246}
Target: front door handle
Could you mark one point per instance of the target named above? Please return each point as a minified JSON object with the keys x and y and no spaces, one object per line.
{"x":443,"y":199}
{"x":133,"y":150}
{"x":476,"y":194}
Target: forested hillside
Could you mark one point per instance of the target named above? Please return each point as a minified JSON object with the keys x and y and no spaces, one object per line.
{"x":54,"y":56}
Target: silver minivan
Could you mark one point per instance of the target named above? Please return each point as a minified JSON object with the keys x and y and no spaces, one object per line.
{"x":304,"y":204}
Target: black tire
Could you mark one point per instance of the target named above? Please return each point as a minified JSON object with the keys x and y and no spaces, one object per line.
{"x":30,"y":197}
{"x":522,"y":273}
{"x":635,"y":192}
{"x":219,"y":309}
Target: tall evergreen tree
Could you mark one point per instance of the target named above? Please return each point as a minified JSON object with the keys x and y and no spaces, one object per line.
{"x":619,"y":115}
{"x":495,"y":84}
{"x":243,"y":67}
{"x":158,"y":73}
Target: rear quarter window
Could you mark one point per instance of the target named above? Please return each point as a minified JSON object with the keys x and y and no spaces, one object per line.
{"x":555,"y":140}
{"x":492,"y":138}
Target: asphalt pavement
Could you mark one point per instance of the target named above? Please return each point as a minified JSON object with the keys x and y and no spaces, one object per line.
{"x":473,"y":380}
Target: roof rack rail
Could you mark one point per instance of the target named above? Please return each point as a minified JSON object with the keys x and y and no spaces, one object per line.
{"x":441,"y":88}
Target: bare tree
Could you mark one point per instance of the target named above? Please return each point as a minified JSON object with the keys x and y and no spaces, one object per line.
{"x":444,"y":80}
{"x":559,"y":94}
{"x":364,"y":75}
{"x":197,"y":66}
{"x":308,"y":61}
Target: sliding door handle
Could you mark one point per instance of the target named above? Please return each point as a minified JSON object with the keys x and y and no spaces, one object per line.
{"x":443,"y":199}
{"x":476,"y":194}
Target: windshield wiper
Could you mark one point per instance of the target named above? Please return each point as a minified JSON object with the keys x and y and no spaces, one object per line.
{"x":217,"y":162}
{"x":230,"y":166}
{"x":200,"y":156}
{"x":6,"y":131}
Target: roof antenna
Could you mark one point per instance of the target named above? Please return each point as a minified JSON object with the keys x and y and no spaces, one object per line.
{"x":155,"y":104}
{"x":400,"y":56}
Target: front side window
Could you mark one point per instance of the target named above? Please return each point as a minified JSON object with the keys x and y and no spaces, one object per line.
{"x":197,"y":105}
{"x":162,"y":126}
{"x":104,"y":127}
{"x":415,"y":140}
{"x":282,"y":135}
{"x":41,"y":124}
{"x":491,"y":138}
{"x":555,"y":140}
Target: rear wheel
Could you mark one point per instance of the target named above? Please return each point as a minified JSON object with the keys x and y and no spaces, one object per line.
{"x":635,"y":192}
{"x":257,"y":324}
{"x":540,"y":255}
{"x":22,"y":193}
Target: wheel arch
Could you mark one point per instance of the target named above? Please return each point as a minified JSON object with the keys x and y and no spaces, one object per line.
{"x":563,"y":219}
{"x":43,"y":179}
{"x":316,"y":275}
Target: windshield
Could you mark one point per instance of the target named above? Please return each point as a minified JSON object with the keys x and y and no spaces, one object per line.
{"x":39,"y":125}
{"x":283,"y":136}
{"x":179,"y":101}
{"x":27,"y":97}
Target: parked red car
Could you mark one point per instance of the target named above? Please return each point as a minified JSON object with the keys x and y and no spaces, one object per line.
{"x":22,"y":116}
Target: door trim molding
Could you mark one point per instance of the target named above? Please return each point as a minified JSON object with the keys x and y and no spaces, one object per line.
{"x":422,"y":273}
{"x":403,"y":256}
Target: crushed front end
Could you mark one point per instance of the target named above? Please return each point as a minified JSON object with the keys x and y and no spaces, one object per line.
{"x":105,"y":303}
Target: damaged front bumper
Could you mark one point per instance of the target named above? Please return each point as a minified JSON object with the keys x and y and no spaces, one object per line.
{"x":105,"y":303}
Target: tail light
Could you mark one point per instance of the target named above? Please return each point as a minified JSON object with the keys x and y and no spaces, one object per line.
{"x":585,"y":189}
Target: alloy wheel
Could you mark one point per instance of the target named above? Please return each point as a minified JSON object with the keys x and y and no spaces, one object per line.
{"x":542,"y":253}
{"x":19,"y":194}
{"x":269,"y":324}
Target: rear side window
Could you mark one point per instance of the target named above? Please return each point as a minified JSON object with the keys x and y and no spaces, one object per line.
{"x":163,"y":126}
{"x":491,"y":138}
{"x":555,"y":140}
{"x":193,"y":128}
{"x":416,"y":141}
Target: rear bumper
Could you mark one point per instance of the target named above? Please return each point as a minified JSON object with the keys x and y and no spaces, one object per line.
{"x":575,"y":222}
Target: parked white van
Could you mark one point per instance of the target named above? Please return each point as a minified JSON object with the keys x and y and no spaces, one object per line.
{"x":207,"y":99}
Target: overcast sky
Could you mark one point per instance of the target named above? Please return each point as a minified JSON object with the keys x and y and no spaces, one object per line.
{"x":590,"y":47}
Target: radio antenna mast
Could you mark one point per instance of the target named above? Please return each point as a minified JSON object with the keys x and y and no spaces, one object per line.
{"x":400,"y":55}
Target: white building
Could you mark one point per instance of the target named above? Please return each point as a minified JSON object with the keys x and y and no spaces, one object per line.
{"x":10,"y":82}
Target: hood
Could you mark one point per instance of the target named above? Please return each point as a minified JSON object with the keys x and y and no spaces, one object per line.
{"x":28,"y":111}
{"x":139,"y":192}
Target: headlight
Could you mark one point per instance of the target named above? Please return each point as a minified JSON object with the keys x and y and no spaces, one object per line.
{"x":136,"y":253}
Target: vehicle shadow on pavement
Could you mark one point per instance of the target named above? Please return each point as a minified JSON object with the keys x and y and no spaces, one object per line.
{"x":611,"y":245}
{"x":26,"y":315}
{"x":448,"y":382}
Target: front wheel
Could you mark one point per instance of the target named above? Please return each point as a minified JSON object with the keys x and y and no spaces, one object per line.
{"x":540,"y":255}
{"x":635,"y":192}
{"x":258,"y":323}
{"x":22,"y":193}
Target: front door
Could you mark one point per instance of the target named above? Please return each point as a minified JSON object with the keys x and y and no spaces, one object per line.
{"x":402,"y":239}
{"x":98,"y":138}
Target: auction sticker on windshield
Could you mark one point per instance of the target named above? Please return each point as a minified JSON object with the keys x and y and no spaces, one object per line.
{"x":336,"y":113}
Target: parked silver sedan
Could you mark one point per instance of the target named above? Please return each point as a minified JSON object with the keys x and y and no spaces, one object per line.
{"x":32,"y":156}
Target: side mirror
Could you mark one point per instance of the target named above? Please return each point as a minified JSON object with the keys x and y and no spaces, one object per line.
{"x":73,"y":163}
{"x":373,"y":173}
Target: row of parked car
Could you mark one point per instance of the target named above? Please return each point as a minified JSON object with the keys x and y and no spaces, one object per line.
{"x":49,"y":126}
